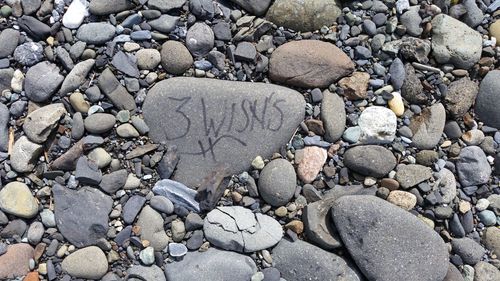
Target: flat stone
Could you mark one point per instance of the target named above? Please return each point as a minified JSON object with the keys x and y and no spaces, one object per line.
{"x":5,"y":78}
{"x":370,"y":160}
{"x":33,"y":27}
{"x":4,"y":127}
{"x":254,"y":7}
{"x":114,"y":91}
{"x":77,"y":76}
{"x":469,"y":250}
{"x":25,"y":155}
{"x":96,"y":33}
{"x":412,"y":89}
{"x":42,"y":80}
{"x":87,"y":171}
{"x":300,"y":260}
{"x":40,"y":123}
{"x":378,"y":125}
{"x":473,"y":167}
{"x":16,"y":199}
{"x":165,"y":6}
{"x":114,"y":181}
{"x":15,"y":262}
{"x":126,"y":63}
{"x":410,"y":247}
{"x":447,"y":185}
{"x":238,"y":229}
{"x":151,"y":224}
{"x":9,"y":38}
{"x":178,"y":193}
{"x":318,"y":226}
{"x":333,"y":116}
{"x":148,"y":58}
{"x":309,"y":64}
{"x":355,"y":86}
{"x":75,"y":14}
{"x":460,"y":96}
{"x":106,"y":7}
{"x":212,"y":264}
{"x":132,"y":208}
{"x":412,"y":174}
{"x":99,"y":123}
{"x":428,"y":126}
{"x":487,"y":102}
{"x":87,"y":263}
{"x":81,"y":215}
{"x":146,"y":273}
{"x":310,"y":161}
{"x":228,"y":122}
{"x":164,"y":24}
{"x":35,"y":232}
{"x":403,"y":199}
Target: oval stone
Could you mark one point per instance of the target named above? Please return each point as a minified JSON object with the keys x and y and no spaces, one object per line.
{"x":487,"y":101}
{"x":96,"y":33}
{"x":214,"y":122}
{"x":370,"y":160}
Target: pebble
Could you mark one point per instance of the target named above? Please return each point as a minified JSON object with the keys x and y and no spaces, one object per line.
{"x":310,"y":161}
{"x":175,"y":57}
{"x":88,"y":263}
{"x":378,"y":125}
{"x":16,"y":199}
{"x":277,"y":182}
{"x":370,"y":160}
{"x":403,"y":199}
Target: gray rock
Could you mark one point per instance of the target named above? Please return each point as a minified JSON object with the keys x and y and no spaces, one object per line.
{"x":378,"y":125}
{"x":212,"y":264}
{"x":41,"y":81}
{"x":99,"y":123}
{"x":361,"y":220}
{"x":486,"y":272}
{"x":474,"y":15}
{"x":245,"y":51}
{"x":25,"y":155}
{"x":200,"y":39}
{"x":309,"y":64}
{"x":175,"y":57}
{"x":491,"y":239}
{"x":412,"y":174}
{"x":165,"y":6}
{"x":113,"y":181}
{"x":106,"y":7}
{"x":162,"y":204}
{"x":165,"y":23}
{"x":9,"y":38}
{"x":96,"y":33}
{"x":277,"y":182}
{"x":34,"y":28}
{"x":40,"y":123}
{"x":222,"y":31}
{"x":148,"y":58}
{"x":87,"y":171}
{"x":397,"y":71}
{"x":220,"y":135}
{"x":428,"y":127}
{"x":81,"y":215}
{"x":132,"y":208}
{"x":35,"y":232}
{"x":318,"y":225}
{"x":469,"y":250}
{"x":202,"y":9}
{"x":304,"y":15}
{"x":370,"y":160}
{"x":178,"y":193}
{"x":472,"y":167}
{"x":114,"y":91}
{"x":412,"y":20}
{"x":300,"y":260}
{"x":254,"y":7}
{"x":4,"y":127}
{"x":126,"y":63}
{"x":146,"y":273}
{"x":77,"y":76}
{"x":460,"y":96}
{"x":487,"y":103}
{"x":28,"y":53}
{"x":86,"y":263}
{"x":333,"y":116}
{"x":453,"y":274}
{"x":64,"y":58}
{"x":151,"y":224}
{"x":412,"y":89}
{"x":454,"y":42}
{"x":5,"y":78}
{"x":238,"y":229}
{"x":446,"y":182}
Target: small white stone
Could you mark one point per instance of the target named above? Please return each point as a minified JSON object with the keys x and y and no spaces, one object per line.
{"x":378,"y":125}
{"x":482,"y":204}
{"x":76,"y":13}
{"x":17,"y":81}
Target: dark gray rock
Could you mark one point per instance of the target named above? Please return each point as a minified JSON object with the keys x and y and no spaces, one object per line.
{"x":81,"y":216}
{"x":87,"y":171}
{"x":469,"y":250}
{"x":254,"y":7}
{"x":397,"y":71}
{"x":212,"y":264}
{"x":4,"y":127}
{"x":5,"y":78}
{"x":28,"y":53}
{"x":178,"y":193}
{"x":460,"y":96}
{"x":200,"y":39}
{"x":106,"y":7}
{"x":113,"y":181}
{"x":64,"y":58}
{"x":114,"y":91}
{"x":9,"y":38}
{"x":453,"y":274}
{"x":165,"y":6}
{"x":412,"y":89}
{"x":300,"y":260}
{"x":222,"y":31}
{"x":473,"y":167}
{"x":77,"y":76}
{"x":165,"y":23}
{"x":132,"y":208}
{"x":30,"y":6}
{"x":428,"y":126}
{"x":487,"y":103}
{"x":41,"y":81}
{"x":361,"y":220}
{"x":245,"y":51}
{"x":238,"y":122}
{"x":96,"y":33}
{"x":202,"y":9}
{"x":318,"y":226}
{"x":34,"y":28}
{"x":126,"y":63}
{"x":277,"y":182}
{"x":474,"y":15}
{"x":370,"y":160}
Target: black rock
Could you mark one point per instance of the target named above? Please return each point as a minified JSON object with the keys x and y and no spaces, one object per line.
{"x":34,"y":28}
{"x":87,"y":172}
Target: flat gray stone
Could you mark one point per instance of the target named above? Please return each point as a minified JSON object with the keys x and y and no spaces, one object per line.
{"x":106,"y":7}
{"x":86,"y":263}
{"x":200,"y":39}
{"x":77,"y":76}
{"x":428,"y":126}
{"x":216,"y":122}
{"x":114,"y":91}
{"x":165,"y":6}
{"x":487,"y":101}
{"x":25,"y":155}
{"x":178,"y":193}
{"x":164,"y":23}
{"x":4,"y":127}
{"x":151,"y":224}
{"x":96,"y":33}
{"x":473,"y":167}
{"x":42,"y":80}
{"x":277,"y":182}
{"x":146,"y":273}
{"x":409,"y":248}
{"x":460,"y":96}
{"x":40,"y":123}
{"x":333,"y":116}
{"x":469,"y":250}
{"x":370,"y":160}
{"x":9,"y":38}
{"x":412,"y":174}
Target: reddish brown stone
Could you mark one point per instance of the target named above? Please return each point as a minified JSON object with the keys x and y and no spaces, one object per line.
{"x":355,"y":86}
{"x":315,"y":126}
{"x":32,"y":276}
{"x":15,"y":262}
{"x":310,"y":161}
{"x":390,"y":184}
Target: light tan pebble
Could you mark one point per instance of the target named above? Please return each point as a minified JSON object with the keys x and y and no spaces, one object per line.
{"x":204,"y":247}
{"x":62,"y":251}
{"x":446,"y":144}
{"x":464,"y":207}
{"x":258,"y":163}
{"x":42,"y":268}
{"x":369,"y":181}
{"x":100,"y":156}
{"x":296,"y":226}
{"x":113,"y":256}
{"x":396,"y":104}
{"x":151,"y":78}
{"x":127,"y":131}
{"x":71,"y":248}
{"x":236,"y":196}
{"x":292,"y":207}
{"x":310,"y":161}
{"x":132,"y":182}
{"x":267,"y":256}
{"x":402,"y":199}
{"x":131,"y":46}
{"x":79,"y":103}
{"x":50,"y":40}
{"x":473,"y":137}
{"x":281,"y":211}
{"x":17,"y":81}
{"x":386,"y":89}
{"x":178,"y":230}
{"x":427,"y":221}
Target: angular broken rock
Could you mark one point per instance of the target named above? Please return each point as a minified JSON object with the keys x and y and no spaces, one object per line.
{"x":216,"y":122}
{"x":178,"y":193}
{"x":238,"y":229}
{"x":25,"y":155}
{"x":212,"y":188}
{"x":168,"y":162}
{"x":40,"y":123}
{"x":428,"y":126}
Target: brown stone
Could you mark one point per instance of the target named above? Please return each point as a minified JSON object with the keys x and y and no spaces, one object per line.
{"x":390,"y":184}
{"x":310,"y":160}
{"x":460,"y":96}
{"x":295,"y":226}
{"x":309,"y":64}
{"x":32,"y":276}
{"x":15,"y":262}
{"x":355,"y":86}
{"x":315,"y":126}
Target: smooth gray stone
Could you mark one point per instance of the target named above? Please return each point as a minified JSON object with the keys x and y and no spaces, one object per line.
{"x":428,"y":126}
{"x":113,"y":89}
{"x":333,"y":116}
{"x":165,"y":6}
{"x":5,"y":78}
{"x":106,"y":7}
{"x":215,"y":122}
{"x":34,"y":28}
{"x":277,"y":182}
{"x":4,"y":127}
{"x":42,"y":80}
{"x":200,"y":39}
{"x":165,"y":23}
{"x":254,"y":7}
{"x":113,"y":181}
{"x":77,"y":76}
{"x":487,"y":101}
{"x":146,"y":273}
{"x":9,"y":38}
{"x":132,"y":208}
{"x":370,"y":160}
{"x":473,"y":167}
{"x":469,"y":250}
{"x":96,"y":33}
{"x":126,"y":63}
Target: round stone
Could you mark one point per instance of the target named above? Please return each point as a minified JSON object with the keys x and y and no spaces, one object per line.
{"x":378,"y":125}
{"x":99,"y":123}
{"x":175,"y":57}
{"x":87,"y":263}
{"x":177,"y":250}
{"x":277,"y":182}
{"x":148,"y":58}
{"x":16,"y":199}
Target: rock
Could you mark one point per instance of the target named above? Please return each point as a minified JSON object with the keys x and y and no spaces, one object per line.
{"x":81,"y":215}
{"x":178,"y":193}
{"x":99,"y":123}
{"x":453,"y":274}
{"x":318,"y":226}
{"x":28,"y":53}
{"x":472,"y":167}
{"x":9,"y":38}
{"x":495,"y":30}
{"x":396,"y":104}
{"x":310,"y":161}
{"x":87,"y":171}
{"x":355,"y":86}
{"x":474,"y":15}
{"x":15,"y":262}
{"x":5,"y":78}
{"x":412,"y":20}
{"x":16,"y":199}
{"x":199,"y":39}
{"x":412,"y":89}
{"x":175,"y":57}
{"x":378,"y":125}
{"x":25,"y":155}
{"x":35,"y":232}
{"x":100,"y":156}
{"x":428,"y":127}
{"x":75,"y":14}
{"x":147,"y":256}
{"x":87,"y":263}
{"x":412,"y":174}
{"x":165,"y":6}
{"x":460,"y":96}
{"x":454,"y":42}
{"x":148,"y":58}
{"x":491,"y":239}
{"x":245,"y":51}
{"x":114,"y":91}
{"x":238,"y":229}
{"x":300,"y":260}
{"x":309,"y":64}
{"x":277,"y":182}
{"x":97,"y":33}
{"x":127,"y":131}
{"x":370,"y":160}
{"x":106,"y":7}
{"x":40,"y":123}
{"x":4,"y":127}
{"x":164,"y":23}
{"x":213,"y":264}
{"x":487,"y":101}
{"x":333,"y":116}
{"x":397,"y":71}
{"x":77,"y":76}
{"x":354,"y":218}
{"x":132,"y":208}
{"x":34,"y":28}
{"x":126,"y":63}
{"x":403,"y":199}
{"x":42,"y":80}
{"x":146,"y":273}
{"x":304,"y":16}
{"x":202,"y":9}
{"x":469,"y":250}
{"x":486,"y":272}
{"x":113,"y":181}
{"x":162,"y":204}
{"x":218,"y":135}
{"x":447,"y":185}
{"x":151,"y":225}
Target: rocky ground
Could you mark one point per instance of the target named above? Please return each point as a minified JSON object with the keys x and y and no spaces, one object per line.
{"x":253,"y":140}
